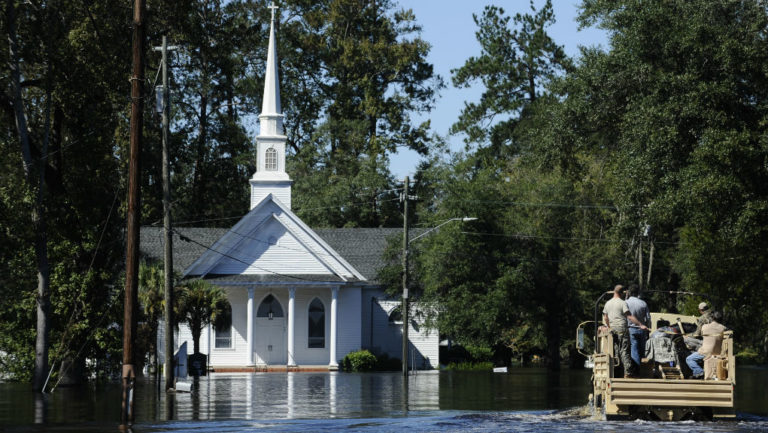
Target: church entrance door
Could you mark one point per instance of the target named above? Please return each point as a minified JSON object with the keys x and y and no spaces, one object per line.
{"x":270,"y":337}
{"x":270,"y":344}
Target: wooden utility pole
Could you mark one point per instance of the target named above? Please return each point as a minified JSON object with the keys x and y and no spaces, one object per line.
{"x":405,"y":278}
{"x":168,"y":251}
{"x":132,"y":218}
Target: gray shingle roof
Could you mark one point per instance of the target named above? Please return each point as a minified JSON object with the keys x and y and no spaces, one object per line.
{"x":363,"y":248}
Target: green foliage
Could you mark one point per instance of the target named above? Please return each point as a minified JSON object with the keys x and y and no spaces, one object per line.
{"x":514,"y":66}
{"x":470,"y":366}
{"x":201,"y":304}
{"x":747,"y":356}
{"x":359,"y":361}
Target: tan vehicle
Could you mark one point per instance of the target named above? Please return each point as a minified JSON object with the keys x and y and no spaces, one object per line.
{"x":661,"y":391}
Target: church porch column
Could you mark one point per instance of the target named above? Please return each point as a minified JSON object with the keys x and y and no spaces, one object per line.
{"x":249,"y":327}
{"x":291,"y":326}
{"x":333,"y":365}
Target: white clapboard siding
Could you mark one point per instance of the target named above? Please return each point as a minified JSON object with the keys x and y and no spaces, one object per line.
{"x":272,"y":249}
{"x":236,"y":354}
{"x":348,"y":335}
{"x":261,"y":189}
{"x":424,"y":349}
{"x":304,"y":354}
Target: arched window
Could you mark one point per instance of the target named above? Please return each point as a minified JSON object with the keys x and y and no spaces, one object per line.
{"x":270,"y":160}
{"x":396,"y":315}
{"x":316,"y":324}
{"x":269,"y":308}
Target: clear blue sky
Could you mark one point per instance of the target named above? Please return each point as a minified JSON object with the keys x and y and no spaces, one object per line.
{"x":448,"y":26}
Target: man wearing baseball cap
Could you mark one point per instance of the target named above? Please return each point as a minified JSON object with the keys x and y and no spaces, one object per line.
{"x":706,"y":317}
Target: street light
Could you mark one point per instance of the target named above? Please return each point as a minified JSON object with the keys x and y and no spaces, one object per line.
{"x":465,"y":219}
{"x":407,"y":242}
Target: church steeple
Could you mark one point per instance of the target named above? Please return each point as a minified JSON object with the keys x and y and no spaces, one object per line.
{"x":271,"y":116}
{"x":270,"y":176}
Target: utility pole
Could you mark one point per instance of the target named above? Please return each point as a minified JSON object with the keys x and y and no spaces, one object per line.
{"x":168,"y":251}
{"x":132,"y":223}
{"x":404,"y":314}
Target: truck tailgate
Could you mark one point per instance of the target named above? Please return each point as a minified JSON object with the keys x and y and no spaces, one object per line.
{"x":661,"y":392}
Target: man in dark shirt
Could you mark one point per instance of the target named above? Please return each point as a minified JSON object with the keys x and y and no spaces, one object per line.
{"x":638,"y":333}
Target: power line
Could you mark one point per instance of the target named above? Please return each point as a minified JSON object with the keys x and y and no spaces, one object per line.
{"x":187,"y":239}
{"x":563,"y":238}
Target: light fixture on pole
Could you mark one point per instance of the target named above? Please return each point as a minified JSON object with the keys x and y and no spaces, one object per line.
{"x":407,"y":242}
{"x":464,"y":219}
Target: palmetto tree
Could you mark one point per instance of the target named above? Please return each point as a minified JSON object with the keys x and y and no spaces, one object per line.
{"x":201,"y":304}
{"x":152,"y":302}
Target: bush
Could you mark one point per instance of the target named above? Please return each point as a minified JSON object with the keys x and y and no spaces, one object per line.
{"x":470,"y":366}
{"x":362,"y":360}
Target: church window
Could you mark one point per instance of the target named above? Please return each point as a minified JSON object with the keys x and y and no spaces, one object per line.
{"x":223,"y":337}
{"x":270,"y":160}
{"x":396,"y":315}
{"x":316,"y":324}
{"x":269,"y":308}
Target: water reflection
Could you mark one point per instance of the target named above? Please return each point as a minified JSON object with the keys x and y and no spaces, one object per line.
{"x":244,"y":399}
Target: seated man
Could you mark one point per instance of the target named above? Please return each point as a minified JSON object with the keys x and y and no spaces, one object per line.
{"x":713,"y":340}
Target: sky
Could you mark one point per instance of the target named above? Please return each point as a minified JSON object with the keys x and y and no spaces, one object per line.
{"x":448,"y":26}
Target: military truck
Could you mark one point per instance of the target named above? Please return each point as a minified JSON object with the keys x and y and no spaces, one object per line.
{"x":663,"y":389}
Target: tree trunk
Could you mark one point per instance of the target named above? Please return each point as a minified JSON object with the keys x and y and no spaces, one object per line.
{"x":37,"y":214}
{"x":196,"y":330}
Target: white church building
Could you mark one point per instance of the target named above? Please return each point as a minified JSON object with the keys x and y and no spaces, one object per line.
{"x":301,"y":298}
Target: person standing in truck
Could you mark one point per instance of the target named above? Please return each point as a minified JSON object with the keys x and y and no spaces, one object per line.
{"x":712,"y":344}
{"x":615,"y":316}
{"x":638,"y":333}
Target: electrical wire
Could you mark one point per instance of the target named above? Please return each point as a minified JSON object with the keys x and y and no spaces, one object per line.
{"x":188,"y":239}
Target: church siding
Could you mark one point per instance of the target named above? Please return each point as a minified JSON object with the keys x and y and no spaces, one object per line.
{"x":273,"y":248}
{"x":235,"y":355}
{"x":279,"y":190}
{"x":304,"y":354}
{"x":348,"y":338}
{"x":388,"y":336}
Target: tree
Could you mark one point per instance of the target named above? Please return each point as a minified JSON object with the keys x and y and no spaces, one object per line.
{"x":366,"y":68}
{"x":152,"y":304}
{"x":673,"y":113}
{"x":56,"y":116}
{"x":201,"y":304}
{"x":515,"y":65}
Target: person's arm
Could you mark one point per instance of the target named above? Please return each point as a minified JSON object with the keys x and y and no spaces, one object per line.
{"x":605,"y":320}
{"x":634,"y":320}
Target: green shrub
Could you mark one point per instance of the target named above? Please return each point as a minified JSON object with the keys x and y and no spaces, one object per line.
{"x":747,"y":356}
{"x":362,"y":360}
{"x":470,"y":366}
{"x":480,"y":353}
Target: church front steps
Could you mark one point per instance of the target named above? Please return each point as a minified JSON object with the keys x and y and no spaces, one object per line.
{"x":270,"y":369}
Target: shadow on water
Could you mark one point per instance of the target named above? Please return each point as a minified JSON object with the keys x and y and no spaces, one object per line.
{"x":524,"y":399}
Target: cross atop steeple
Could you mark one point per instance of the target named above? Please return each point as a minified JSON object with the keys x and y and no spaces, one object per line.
{"x":274,"y":8}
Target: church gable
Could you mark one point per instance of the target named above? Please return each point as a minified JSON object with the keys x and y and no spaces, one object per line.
{"x":270,"y":249}
{"x":270,"y":239}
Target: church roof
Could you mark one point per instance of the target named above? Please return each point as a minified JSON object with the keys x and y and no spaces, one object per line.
{"x":363,"y":248}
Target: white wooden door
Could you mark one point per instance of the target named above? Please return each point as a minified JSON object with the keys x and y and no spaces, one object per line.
{"x":270,"y":341}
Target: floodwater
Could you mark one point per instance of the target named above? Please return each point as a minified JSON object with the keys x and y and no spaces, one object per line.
{"x":523,"y":400}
